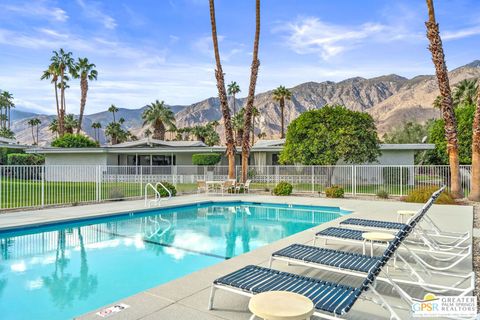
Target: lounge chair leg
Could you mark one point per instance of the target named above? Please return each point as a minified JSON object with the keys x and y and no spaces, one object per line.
{"x":252,"y":317}
{"x":212,"y":296}
{"x":270,"y":262}
{"x":326,"y":241}
{"x":314,"y":241}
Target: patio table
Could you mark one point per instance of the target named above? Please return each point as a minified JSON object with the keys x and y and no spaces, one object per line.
{"x":213,"y":184}
{"x":280,"y":305}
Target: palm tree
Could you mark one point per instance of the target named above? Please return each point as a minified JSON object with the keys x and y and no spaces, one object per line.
{"x":34,"y":122}
{"x":232,"y":89}
{"x":261,"y":135}
{"x":86,"y":72}
{"x":147,"y":133}
{"x":251,"y":95}
{"x":70,"y":123}
{"x":255,"y":113}
{"x":465,"y":92}
{"x":96,"y":127}
{"x":222,"y":95}
{"x":7,"y":103}
{"x":475,"y":176}
{"x":159,"y":117}
{"x":53,"y":127}
{"x":281,"y":94}
{"x":237,"y":123}
{"x":53,"y":72}
{"x":438,"y":58}
{"x":113,"y":110}
{"x":62,"y":62}
{"x":3,"y":120}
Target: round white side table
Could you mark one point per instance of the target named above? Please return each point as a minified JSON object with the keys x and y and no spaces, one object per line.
{"x":280,"y":305}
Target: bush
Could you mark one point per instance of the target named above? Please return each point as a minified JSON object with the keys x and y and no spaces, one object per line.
{"x":116,"y":193}
{"x":391,"y":175}
{"x":169,"y":186}
{"x":206,"y":159}
{"x":283,"y":189}
{"x":334,"y":192}
{"x":23,"y":159}
{"x":70,"y":140}
{"x":382,"y":194}
{"x":422,"y":194}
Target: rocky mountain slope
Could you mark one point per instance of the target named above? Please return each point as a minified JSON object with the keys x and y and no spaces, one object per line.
{"x":391,"y":100}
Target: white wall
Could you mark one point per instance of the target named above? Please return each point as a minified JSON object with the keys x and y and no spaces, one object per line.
{"x":68,"y":167}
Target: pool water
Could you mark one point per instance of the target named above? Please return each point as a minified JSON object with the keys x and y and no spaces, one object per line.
{"x":65,"y":270}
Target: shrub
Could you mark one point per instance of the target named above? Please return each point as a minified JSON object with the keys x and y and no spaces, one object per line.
{"x":70,"y":140}
{"x":116,"y":193}
{"x":382,"y":194}
{"x":206,"y":159}
{"x":391,"y":175}
{"x":283,"y":189}
{"x":422,"y":194}
{"x":334,"y":192}
{"x":23,"y":159}
{"x":169,"y":186}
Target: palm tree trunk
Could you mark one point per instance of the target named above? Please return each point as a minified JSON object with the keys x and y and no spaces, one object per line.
{"x":253,"y":131}
{"x":448,"y":114}
{"x":222,"y":95}
{"x":33,"y":136}
{"x":234,"y":107}
{"x":61,"y":115}
{"x":37,"y":134}
{"x":282,"y":117}
{"x":55,"y":82}
{"x":83,"y":101}
{"x":475,"y":175}
{"x":9,"y":113}
{"x":251,"y":95}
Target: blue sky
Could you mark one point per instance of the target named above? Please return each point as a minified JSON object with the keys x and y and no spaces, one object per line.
{"x":161,"y":49}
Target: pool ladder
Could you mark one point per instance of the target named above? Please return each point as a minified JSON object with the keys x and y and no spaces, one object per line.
{"x":158,"y":199}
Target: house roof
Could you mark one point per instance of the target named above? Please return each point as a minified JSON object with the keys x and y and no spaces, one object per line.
{"x":148,"y":142}
{"x":7,"y":140}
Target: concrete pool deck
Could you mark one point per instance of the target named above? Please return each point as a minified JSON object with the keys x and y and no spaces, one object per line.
{"x":187,"y":297}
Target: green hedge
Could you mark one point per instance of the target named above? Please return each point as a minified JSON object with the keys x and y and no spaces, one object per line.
{"x":23,"y":159}
{"x":169,"y":186}
{"x":70,"y":140}
{"x":206,"y":159}
{"x":334,"y":192}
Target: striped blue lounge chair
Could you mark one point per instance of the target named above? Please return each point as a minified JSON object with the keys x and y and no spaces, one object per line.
{"x":429,"y":247}
{"x":330,"y":299}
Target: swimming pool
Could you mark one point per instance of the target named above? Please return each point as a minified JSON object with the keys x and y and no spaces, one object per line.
{"x":66,"y":269}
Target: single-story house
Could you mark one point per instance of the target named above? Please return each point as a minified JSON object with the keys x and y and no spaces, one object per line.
{"x":151,"y":152}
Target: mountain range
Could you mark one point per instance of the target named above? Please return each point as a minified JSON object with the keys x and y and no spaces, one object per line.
{"x":390,"y":99}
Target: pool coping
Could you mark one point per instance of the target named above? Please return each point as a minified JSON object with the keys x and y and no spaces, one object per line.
{"x":187,"y":297}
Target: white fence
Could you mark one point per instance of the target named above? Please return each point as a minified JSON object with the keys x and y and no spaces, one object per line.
{"x":38,"y":186}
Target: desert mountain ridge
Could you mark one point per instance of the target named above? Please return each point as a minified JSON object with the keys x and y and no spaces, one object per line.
{"x":390,"y":99}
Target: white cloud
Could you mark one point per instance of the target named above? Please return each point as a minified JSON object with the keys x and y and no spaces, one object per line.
{"x":37,"y":9}
{"x":311,"y":35}
{"x":204,"y":45}
{"x":93,"y":11}
{"x":461,"y":33}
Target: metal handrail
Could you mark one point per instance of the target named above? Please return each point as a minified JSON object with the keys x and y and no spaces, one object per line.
{"x":158,"y":197}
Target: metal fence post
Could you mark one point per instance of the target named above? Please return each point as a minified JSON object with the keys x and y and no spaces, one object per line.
{"x":43,"y":186}
{"x":401,"y":181}
{"x":97,"y":189}
{"x":354,"y":180}
{"x":313,"y":179}
{"x":141,"y":180}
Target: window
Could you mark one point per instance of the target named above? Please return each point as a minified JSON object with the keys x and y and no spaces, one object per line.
{"x":275,"y":159}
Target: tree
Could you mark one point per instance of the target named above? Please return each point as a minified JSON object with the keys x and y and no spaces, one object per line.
{"x":70,"y":140}
{"x":330,"y":134}
{"x":206,"y":134}
{"x":96,"y":128}
{"x":255,"y":113}
{"x":280,"y":95}
{"x":465,"y":92}
{"x":34,"y":123}
{"x":61,"y":63}
{"x":232,"y":89}
{"x":261,"y":135}
{"x":159,"y":117}
{"x":84,"y":70}
{"x":147,"y":133}
{"x":6,"y":104}
{"x":113,"y":109}
{"x":222,"y":95}
{"x":475,"y":176}
{"x":436,"y":135}
{"x":238,"y":125}
{"x":438,"y":58}
{"x":53,"y":72}
{"x":70,"y":123}
{"x":116,"y":133}
{"x":251,"y":95}
{"x":53,"y":127}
